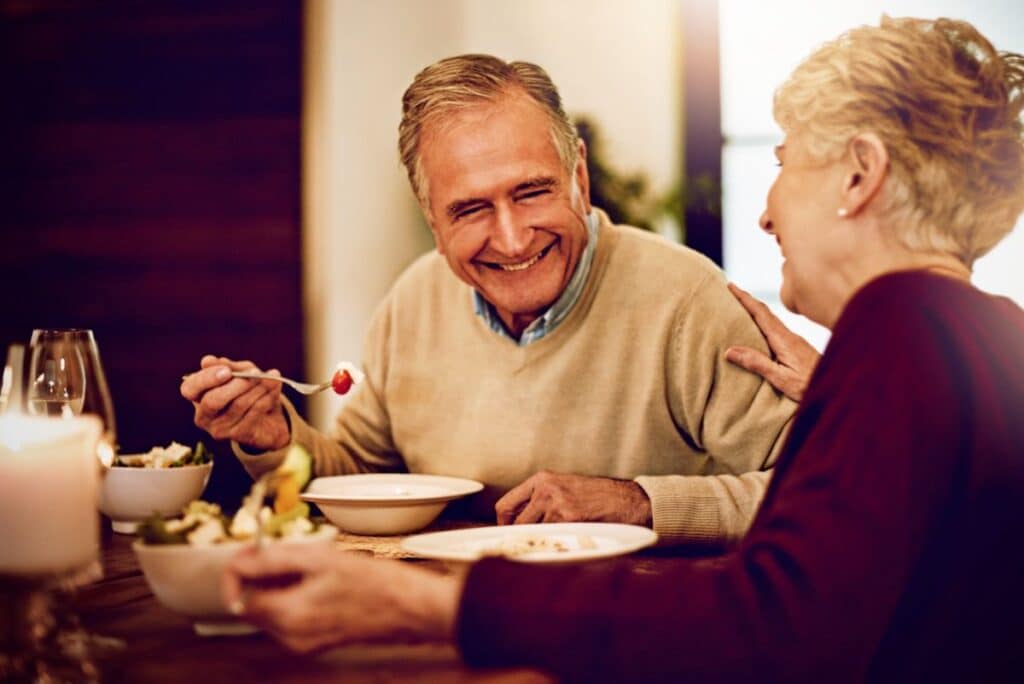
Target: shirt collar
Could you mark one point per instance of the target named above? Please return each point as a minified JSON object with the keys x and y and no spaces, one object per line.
{"x":557,"y":312}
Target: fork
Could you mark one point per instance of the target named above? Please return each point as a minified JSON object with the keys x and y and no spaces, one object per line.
{"x":302,"y":387}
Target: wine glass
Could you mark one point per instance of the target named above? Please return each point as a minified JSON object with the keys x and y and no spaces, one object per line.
{"x":66,"y":379}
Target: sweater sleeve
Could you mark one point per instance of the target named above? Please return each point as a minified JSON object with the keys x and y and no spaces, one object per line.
{"x":809,"y":592}
{"x":734,"y":416}
{"x":361,"y":439}
{"x":704,"y":509}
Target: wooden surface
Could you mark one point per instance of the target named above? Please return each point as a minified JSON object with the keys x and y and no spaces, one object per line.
{"x":161,"y":646}
{"x":151,"y":192}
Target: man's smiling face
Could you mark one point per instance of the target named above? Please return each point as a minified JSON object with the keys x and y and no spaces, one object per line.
{"x":505,"y":214}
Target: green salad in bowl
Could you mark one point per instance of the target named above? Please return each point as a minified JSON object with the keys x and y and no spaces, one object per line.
{"x":184,"y":556}
{"x":203,"y":523}
{"x":173,"y":455}
{"x":158,"y":482}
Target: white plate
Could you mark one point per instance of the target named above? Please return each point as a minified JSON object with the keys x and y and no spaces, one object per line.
{"x":558,"y":542}
{"x":388,"y":489}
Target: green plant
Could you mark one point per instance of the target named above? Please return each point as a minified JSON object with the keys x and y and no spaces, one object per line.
{"x":628,"y":198}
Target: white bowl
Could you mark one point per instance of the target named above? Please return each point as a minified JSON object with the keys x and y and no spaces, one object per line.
{"x":187,"y":579}
{"x":386,"y":503}
{"x":130,"y":495}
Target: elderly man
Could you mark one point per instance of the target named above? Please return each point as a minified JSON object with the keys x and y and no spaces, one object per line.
{"x":574,"y":365}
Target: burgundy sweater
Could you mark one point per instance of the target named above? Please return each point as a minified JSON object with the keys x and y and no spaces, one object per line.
{"x":889,"y":546}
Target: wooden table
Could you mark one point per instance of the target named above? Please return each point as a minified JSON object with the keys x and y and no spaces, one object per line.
{"x":161,"y":646}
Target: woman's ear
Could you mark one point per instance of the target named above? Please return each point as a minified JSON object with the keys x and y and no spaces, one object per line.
{"x":868,"y":168}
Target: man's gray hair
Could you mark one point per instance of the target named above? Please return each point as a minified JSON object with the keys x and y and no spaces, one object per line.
{"x":470,"y":80}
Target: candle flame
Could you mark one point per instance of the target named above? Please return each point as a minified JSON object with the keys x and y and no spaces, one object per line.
{"x":105,"y":452}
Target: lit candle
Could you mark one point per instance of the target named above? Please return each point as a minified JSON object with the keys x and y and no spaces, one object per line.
{"x":48,"y":491}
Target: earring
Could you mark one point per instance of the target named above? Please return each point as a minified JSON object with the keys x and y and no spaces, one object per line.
{"x":841,"y":212}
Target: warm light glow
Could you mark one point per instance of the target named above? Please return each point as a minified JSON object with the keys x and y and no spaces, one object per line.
{"x":19,"y":432}
{"x":48,"y":490}
{"x":105,"y":453}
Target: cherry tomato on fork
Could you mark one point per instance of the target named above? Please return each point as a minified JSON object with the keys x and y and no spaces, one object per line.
{"x":341,"y":381}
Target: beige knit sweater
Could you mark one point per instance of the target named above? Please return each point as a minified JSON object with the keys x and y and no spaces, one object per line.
{"x":632,"y":384}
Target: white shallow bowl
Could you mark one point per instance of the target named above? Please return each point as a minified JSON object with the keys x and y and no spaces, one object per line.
{"x":130,"y":495}
{"x":187,"y":579}
{"x":386,"y":503}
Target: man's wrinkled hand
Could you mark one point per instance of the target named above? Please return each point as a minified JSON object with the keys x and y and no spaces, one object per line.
{"x":247,"y":411}
{"x":793,"y":358}
{"x":564,"y":497}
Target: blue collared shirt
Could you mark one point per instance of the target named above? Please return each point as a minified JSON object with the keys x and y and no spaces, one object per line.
{"x":557,"y":312}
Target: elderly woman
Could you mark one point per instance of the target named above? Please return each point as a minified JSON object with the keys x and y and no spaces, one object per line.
{"x":889,"y":545}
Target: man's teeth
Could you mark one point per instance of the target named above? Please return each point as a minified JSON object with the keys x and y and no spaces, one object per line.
{"x":522,"y":266}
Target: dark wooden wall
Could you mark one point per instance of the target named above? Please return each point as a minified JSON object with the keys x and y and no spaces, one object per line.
{"x":150,"y":191}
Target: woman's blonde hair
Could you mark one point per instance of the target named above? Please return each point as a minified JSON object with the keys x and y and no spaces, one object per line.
{"x":946,"y":104}
{"x":470,"y":80}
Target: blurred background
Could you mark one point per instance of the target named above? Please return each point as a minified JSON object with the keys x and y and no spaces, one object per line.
{"x":222,"y":177}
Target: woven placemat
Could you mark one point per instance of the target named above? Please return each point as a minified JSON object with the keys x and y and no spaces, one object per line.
{"x":391,"y":547}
